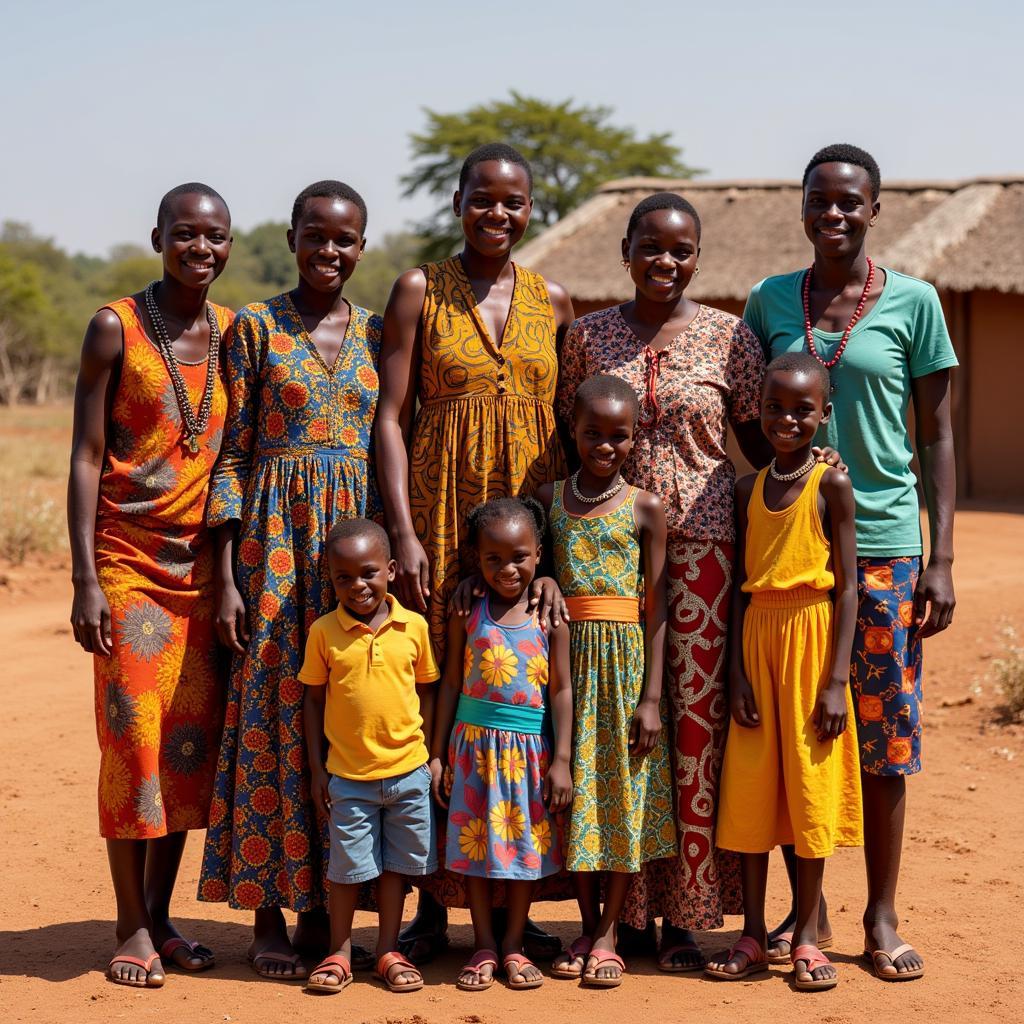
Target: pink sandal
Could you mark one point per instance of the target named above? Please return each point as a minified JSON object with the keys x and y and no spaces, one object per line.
{"x":578,"y":950}
{"x":814,"y":958}
{"x":382,"y":972}
{"x":602,"y":956}
{"x":757,"y":960}
{"x":337,"y":966}
{"x":513,"y":963}
{"x":481,"y":958}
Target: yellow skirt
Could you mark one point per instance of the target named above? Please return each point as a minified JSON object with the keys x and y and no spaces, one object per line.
{"x":779,"y":783}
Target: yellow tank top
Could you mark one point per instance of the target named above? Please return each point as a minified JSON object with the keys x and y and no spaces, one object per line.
{"x":787,"y":549}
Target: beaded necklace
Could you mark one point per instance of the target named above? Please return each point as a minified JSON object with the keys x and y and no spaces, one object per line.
{"x":610,"y":493}
{"x":195,"y":422}
{"x":808,"y":330}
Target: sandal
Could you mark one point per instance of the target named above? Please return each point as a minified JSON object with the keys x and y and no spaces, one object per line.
{"x":513,"y":963}
{"x":598,"y":958}
{"x":382,"y":972}
{"x":579,"y":949}
{"x":299,"y":972}
{"x":193,"y":950}
{"x":880,"y":960}
{"x":787,"y":938}
{"x":481,"y":958}
{"x":337,"y":966}
{"x":814,"y":958}
{"x":757,"y":960}
{"x":667,"y":955}
{"x":146,"y":965}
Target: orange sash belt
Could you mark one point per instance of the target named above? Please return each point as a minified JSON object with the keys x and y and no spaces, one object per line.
{"x":603,"y":609}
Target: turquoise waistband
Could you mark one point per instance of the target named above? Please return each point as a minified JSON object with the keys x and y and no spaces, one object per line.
{"x":491,"y":715}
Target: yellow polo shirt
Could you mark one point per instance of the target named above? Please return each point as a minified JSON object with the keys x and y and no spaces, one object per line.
{"x":372,"y":719}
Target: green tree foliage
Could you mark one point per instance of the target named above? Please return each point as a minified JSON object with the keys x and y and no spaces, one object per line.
{"x":572,"y":149}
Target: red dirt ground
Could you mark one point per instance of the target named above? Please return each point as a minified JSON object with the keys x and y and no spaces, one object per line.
{"x":962,"y":895}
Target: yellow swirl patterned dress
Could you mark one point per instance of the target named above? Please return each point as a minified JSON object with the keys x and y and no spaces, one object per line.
{"x":486,"y":424}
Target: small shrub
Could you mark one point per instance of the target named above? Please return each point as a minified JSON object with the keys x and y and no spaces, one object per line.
{"x":30,"y":525}
{"x":1009,"y":672}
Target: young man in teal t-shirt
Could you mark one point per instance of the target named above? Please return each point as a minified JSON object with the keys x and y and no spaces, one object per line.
{"x":884,"y":338}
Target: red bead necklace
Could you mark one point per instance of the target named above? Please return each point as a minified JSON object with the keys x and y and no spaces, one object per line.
{"x":849,"y":327}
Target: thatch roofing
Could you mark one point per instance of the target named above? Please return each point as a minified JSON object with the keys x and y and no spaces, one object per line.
{"x":961,"y":235}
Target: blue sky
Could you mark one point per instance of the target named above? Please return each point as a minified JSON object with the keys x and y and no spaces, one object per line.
{"x":108,"y":104}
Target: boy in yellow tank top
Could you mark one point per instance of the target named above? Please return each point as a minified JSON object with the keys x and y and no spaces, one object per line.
{"x":791,"y":771}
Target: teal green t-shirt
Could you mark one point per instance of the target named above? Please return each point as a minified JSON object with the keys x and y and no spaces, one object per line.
{"x":902,"y":336}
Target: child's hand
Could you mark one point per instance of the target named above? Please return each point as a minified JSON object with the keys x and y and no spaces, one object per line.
{"x":831,"y":456}
{"x":471,"y":588}
{"x":829,"y":717}
{"x":644,"y":729}
{"x":558,"y":786}
{"x":437,"y":787}
{"x":319,"y":781}
{"x":742,"y":703}
{"x":547,"y":601}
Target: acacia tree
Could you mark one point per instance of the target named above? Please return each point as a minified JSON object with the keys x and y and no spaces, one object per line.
{"x":573,"y":149}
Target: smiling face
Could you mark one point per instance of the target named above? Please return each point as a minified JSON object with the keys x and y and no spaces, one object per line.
{"x":195,"y":239}
{"x":494,"y":206}
{"x":508,"y":552}
{"x":327,"y":241}
{"x":360,"y":572}
{"x":838,"y":209}
{"x":604,"y":431}
{"x":792,"y":407}
{"x":662,"y":254}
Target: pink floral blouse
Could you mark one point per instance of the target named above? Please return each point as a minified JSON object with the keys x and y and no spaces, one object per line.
{"x":708,"y":375}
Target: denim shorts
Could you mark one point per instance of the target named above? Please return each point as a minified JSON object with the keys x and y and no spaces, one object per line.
{"x":381,"y":825}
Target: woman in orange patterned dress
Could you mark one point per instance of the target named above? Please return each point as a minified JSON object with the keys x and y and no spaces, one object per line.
{"x":149,"y":417}
{"x":473,"y":339}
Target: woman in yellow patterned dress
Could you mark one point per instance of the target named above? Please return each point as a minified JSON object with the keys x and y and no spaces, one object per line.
{"x":473,"y":340}
{"x":149,"y":417}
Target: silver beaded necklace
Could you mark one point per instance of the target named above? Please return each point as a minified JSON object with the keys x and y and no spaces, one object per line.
{"x":195,"y":422}
{"x":786,"y":477}
{"x":610,"y":493}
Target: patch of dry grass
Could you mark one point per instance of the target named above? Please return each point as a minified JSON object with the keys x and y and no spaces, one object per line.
{"x":1009,"y":673}
{"x":34,"y":447}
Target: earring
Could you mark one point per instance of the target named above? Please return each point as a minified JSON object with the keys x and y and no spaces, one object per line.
{"x":696,"y":270}
{"x":625,"y":264}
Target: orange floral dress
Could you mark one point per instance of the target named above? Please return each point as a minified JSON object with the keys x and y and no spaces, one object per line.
{"x":486,"y":423}
{"x":158,"y":695}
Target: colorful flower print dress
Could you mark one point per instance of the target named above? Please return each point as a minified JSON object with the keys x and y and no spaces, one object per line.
{"x":498,"y":825}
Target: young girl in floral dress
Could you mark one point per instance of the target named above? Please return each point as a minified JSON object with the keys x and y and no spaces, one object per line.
{"x":499,"y":780}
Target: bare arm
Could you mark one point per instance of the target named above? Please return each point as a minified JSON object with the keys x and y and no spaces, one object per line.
{"x":558,"y":781}
{"x":829,"y":717}
{"x":399,"y":368}
{"x":102,"y":350}
{"x":564,"y":316}
{"x":934,"y":599}
{"x":314,"y":702}
{"x":427,"y":693}
{"x":741,"y":694}
{"x":646,"y":725}
{"x":450,"y":688}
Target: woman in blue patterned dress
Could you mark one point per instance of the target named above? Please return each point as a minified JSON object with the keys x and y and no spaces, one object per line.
{"x":500,"y":781}
{"x":302,"y":371}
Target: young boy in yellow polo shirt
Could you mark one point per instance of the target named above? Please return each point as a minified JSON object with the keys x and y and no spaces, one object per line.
{"x":369,"y":673}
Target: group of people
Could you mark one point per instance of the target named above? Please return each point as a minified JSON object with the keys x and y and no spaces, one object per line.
{"x":351,"y":612}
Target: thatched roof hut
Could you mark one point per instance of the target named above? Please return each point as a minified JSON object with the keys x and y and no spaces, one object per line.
{"x":963,"y":236}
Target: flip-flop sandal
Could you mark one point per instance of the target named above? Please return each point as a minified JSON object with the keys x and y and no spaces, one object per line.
{"x":299,"y":972}
{"x":787,"y":937}
{"x":666,"y":956}
{"x":382,"y":973}
{"x":362,"y":959}
{"x":880,"y":959}
{"x":337,"y":966}
{"x":146,"y":965}
{"x":516,"y":961}
{"x":480,"y":959}
{"x":193,"y":949}
{"x":602,"y":956}
{"x":756,"y":960}
{"x":814,"y":958}
{"x":579,"y":949}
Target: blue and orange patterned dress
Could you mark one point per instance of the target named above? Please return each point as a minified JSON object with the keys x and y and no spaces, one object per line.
{"x":622,"y":810}
{"x":498,"y":824}
{"x":296,"y":457}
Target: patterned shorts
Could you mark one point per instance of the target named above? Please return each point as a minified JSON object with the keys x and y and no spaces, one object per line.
{"x":886,"y":666}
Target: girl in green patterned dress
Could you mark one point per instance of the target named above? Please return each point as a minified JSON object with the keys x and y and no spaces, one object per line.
{"x":606,"y":535}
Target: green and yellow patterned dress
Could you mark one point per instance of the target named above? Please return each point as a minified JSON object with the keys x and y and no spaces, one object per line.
{"x":622,"y":814}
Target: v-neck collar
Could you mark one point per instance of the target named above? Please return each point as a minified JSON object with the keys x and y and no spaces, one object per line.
{"x":469,"y":297}
{"x":311,"y":345}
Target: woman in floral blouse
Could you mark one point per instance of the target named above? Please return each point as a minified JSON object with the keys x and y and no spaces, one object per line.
{"x":696,"y":369}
